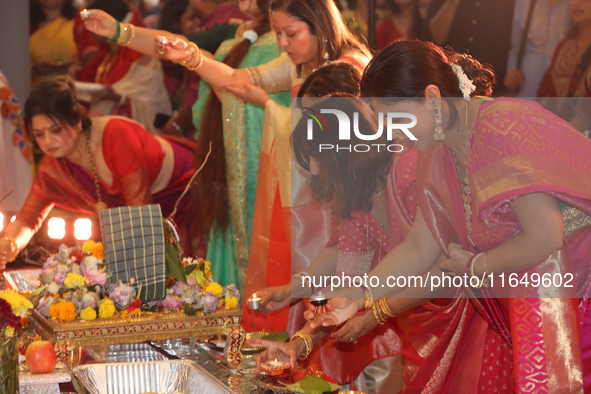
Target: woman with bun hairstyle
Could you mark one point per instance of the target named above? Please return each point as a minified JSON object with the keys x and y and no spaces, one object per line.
{"x":92,"y":164}
{"x":503,"y":188}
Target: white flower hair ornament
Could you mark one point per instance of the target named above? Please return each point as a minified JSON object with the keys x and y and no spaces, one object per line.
{"x":251,"y":36}
{"x":466,"y":85}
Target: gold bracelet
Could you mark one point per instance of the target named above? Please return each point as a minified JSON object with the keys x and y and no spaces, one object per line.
{"x":386,"y":308}
{"x":124,"y":33}
{"x":199,"y":63}
{"x":377,"y":313}
{"x":472,"y":263}
{"x":193,"y":59}
{"x":307,"y":338}
{"x":368,"y":298}
{"x":131,"y":28}
{"x":13,"y":247}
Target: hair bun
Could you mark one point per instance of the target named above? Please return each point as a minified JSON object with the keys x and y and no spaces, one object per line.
{"x":66,"y":79}
{"x":482,"y":76}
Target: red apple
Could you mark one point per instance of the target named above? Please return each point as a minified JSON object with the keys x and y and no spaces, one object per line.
{"x":40,"y":357}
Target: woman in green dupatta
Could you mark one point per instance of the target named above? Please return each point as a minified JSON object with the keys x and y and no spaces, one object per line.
{"x":227,"y":186}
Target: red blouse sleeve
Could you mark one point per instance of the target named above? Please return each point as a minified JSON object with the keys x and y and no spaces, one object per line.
{"x":124,"y":145}
{"x":35,"y":209}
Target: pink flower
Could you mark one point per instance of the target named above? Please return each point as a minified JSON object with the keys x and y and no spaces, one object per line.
{"x":210,"y":301}
{"x":90,"y":300}
{"x":171,"y":302}
{"x":191,"y":281}
{"x":178,"y":288}
{"x":232,"y":291}
{"x":121,"y":294}
{"x":95,"y":277}
{"x":44,"y":304}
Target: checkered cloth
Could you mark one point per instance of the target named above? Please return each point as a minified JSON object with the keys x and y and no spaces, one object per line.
{"x":133,"y":240}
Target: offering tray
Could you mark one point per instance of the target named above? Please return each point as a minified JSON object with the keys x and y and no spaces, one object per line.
{"x":148,"y":327}
{"x":177,"y":376}
{"x":154,"y":326}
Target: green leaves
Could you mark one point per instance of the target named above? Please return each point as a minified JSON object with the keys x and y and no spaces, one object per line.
{"x":313,"y":385}
{"x":310,"y":384}
{"x":189,"y":311}
{"x":174,"y":267}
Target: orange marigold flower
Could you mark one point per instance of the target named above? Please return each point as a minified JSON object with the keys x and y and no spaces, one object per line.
{"x":63,"y":311}
{"x":54,"y":311}
{"x":98,"y":251}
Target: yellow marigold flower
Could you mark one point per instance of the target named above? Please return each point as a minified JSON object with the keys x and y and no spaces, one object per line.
{"x":207,"y":266}
{"x":19,"y":304}
{"x":106,"y":308}
{"x":9,"y":331}
{"x":220,"y":303}
{"x":231,"y":302}
{"x":88,"y":314}
{"x":215,"y":289}
{"x":199,"y":277}
{"x":98,"y":251}
{"x":75,"y":281}
{"x":63,"y":311}
{"x":88,"y":246}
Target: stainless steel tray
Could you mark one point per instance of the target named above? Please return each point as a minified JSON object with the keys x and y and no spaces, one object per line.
{"x":178,"y":376}
{"x":23,"y":280}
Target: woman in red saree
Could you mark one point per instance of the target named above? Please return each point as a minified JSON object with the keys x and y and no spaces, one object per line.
{"x":134,"y":83}
{"x":503,"y":187}
{"x":92,"y":164}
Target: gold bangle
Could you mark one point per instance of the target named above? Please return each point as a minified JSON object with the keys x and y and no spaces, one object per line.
{"x":199,"y":63}
{"x":13,"y":247}
{"x":124,"y":30}
{"x":368,"y":298}
{"x":472,"y":263}
{"x":130,"y":36}
{"x":377,"y":313}
{"x":196,"y":50}
{"x":386,"y":308}
{"x":307,"y":338}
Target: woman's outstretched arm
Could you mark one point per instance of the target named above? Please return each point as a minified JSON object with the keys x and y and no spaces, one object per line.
{"x":145,"y":41}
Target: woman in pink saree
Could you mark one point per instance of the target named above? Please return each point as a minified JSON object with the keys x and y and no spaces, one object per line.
{"x":503,"y":187}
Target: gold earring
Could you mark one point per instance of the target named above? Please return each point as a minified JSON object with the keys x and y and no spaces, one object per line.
{"x":439,"y":134}
{"x":326,"y":55}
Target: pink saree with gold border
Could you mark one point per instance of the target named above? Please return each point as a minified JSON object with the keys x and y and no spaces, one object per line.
{"x":503,"y":342}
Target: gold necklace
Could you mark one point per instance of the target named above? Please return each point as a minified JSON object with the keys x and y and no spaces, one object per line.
{"x":465,"y":183}
{"x":100,"y":205}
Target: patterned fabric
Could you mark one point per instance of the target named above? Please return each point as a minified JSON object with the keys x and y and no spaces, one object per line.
{"x":517,"y":148}
{"x":133,"y":239}
{"x":15,"y":177}
{"x":11,"y":110}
